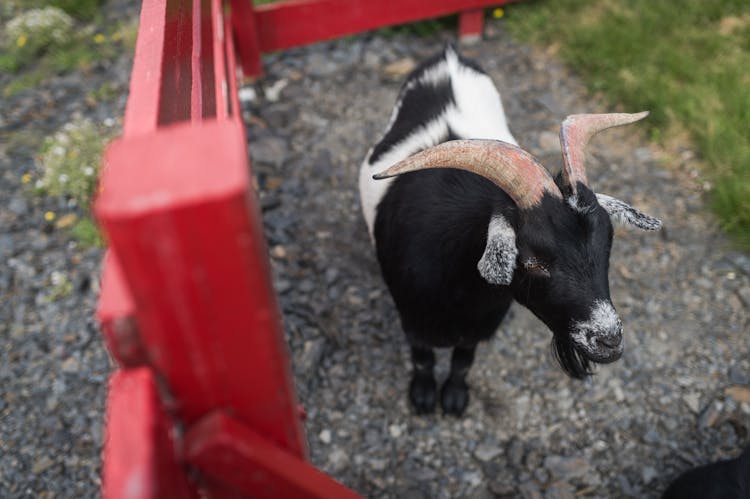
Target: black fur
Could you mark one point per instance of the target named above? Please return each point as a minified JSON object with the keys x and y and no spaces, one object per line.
{"x":728,"y":479}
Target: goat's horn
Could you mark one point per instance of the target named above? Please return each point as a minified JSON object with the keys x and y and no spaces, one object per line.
{"x":509,"y":167}
{"x":575,"y":133}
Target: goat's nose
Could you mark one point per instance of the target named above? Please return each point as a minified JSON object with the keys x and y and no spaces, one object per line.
{"x":610,"y":341}
{"x":613,"y":337}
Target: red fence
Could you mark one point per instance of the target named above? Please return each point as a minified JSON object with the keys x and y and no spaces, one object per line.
{"x":203,"y":400}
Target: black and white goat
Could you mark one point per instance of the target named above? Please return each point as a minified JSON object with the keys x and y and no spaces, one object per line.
{"x":473,"y":222}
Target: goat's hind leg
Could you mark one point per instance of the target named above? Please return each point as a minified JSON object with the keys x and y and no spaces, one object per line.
{"x":454,"y":396}
{"x":423,"y":389}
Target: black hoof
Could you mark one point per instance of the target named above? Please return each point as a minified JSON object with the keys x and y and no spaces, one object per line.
{"x":454,"y":396}
{"x":423,"y":394}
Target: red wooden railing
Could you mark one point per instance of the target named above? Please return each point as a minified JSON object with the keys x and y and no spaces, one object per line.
{"x":202,"y":402}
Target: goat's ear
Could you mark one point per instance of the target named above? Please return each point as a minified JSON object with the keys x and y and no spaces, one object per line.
{"x":622,"y":213}
{"x":499,"y":259}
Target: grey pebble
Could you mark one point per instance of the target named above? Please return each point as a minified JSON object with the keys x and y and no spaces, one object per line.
{"x":710,"y":415}
{"x":487,"y":451}
{"x":268,"y":149}
{"x":567,"y":467}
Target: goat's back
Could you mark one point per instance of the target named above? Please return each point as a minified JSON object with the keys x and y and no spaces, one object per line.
{"x":446,"y":97}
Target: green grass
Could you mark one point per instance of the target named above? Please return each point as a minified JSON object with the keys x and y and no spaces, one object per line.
{"x":86,"y":233}
{"x":687,"y":61}
{"x":83,"y":10}
{"x":35,"y":53}
{"x":30,"y":71}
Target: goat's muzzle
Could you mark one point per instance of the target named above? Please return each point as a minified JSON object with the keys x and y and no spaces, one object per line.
{"x":599,"y":338}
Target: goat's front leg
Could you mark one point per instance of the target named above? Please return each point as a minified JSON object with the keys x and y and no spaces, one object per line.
{"x":423,"y":389}
{"x":454,"y":396}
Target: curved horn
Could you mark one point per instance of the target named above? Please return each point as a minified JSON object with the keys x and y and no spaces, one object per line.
{"x":575,"y":133}
{"x":509,"y":167}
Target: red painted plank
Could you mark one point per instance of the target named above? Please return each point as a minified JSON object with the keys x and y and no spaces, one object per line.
{"x":139,"y":457}
{"x":220,"y":71}
{"x":207,"y":61}
{"x":245,"y":31}
{"x":297,"y":22}
{"x":116,"y":314}
{"x":196,"y":89}
{"x":145,"y":79}
{"x":176,"y":70}
{"x":177,"y":210}
{"x":470,"y":25}
{"x":229,"y":453}
{"x":232,"y":75}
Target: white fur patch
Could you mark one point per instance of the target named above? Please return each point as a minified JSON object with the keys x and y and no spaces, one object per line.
{"x":573,"y":203}
{"x":622,"y":213}
{"x":371,"y":191}
{"x":499,"y":259}
{"x":602,"y":321}
{"x":477,"y":114}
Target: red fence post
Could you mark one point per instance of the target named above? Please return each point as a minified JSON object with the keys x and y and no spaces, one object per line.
{"x":225,"y":450}
{"x":142,"y":462}
{"x":190,"y":243}
{"x":470,"y":24}
{"x":245,"y":30}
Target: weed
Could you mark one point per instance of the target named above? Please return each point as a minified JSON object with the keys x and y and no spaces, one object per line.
{"x":30,"y":33}
{"x":62,"y":286}
{"x":69,"y":161}
{"x":86,"y":233}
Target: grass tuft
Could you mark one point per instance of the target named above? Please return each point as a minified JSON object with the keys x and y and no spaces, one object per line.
{"x":688,"y":61}
{"x":69,"y":163}
{"x":87,"y":234}
{"x":70,"y":159}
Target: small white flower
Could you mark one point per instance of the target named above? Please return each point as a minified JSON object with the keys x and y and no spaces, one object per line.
{"x":62,"y":178}
{"x":47,"y":23}
{"x":88,"y":171}
{"x":57,"y":277}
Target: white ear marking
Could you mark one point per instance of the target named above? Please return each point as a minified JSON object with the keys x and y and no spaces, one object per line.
{"x":624,"y":214}
{"x":499,"y":259}
{"x":573,"y":203}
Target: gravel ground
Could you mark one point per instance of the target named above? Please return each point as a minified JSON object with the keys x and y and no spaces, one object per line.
{"x":683,"y":295}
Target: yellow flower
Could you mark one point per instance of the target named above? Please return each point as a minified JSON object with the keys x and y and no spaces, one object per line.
{"x":498,"y":13}
{"x":49,"y":216}
{"x":21,"y":41}
{"x":26,"y":178}
{"x":99,"y":38}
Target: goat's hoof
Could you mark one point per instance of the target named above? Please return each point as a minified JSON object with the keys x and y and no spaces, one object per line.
{"x":423,"y":394}
{"x":454,"y":396}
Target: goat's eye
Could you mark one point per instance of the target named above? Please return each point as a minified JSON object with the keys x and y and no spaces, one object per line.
{"x":534,"y":266}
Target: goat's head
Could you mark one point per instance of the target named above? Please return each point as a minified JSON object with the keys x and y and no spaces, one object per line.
{"x":553,"y":251}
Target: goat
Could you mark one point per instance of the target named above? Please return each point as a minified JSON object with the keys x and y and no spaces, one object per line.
{"x":727,"y":479}
{"x":472,"y":222}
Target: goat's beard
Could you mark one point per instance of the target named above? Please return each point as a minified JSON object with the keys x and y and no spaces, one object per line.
{"x":573,"y":362}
